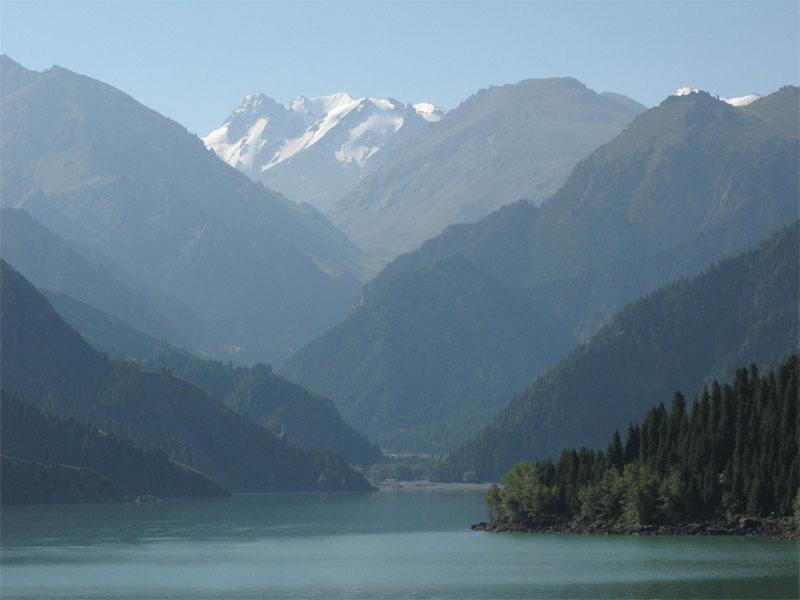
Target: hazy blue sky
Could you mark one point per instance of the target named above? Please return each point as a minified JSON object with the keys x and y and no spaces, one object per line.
{"x":195,"y":61}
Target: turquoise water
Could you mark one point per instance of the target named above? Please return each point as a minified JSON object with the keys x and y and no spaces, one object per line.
{"x":404,"y":544}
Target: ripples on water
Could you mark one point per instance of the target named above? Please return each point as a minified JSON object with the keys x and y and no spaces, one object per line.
{"x":405,"y":544}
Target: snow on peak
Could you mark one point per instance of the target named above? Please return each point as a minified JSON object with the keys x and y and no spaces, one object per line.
{"x":740,"y":101}
{"x":311,"y":145}
{"x":320,"y":106}
{"x":428,"y":111}
{"x":361,"y":140}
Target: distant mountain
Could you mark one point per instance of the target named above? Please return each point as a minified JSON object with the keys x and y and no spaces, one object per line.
{"x":316,"y":149}
{"x":740,"y":101}
{"x":52,"y":263}
{"x":47,"y":363}
{"x":419,"y":367}
{"x":502,"y":144}
{"x":285,"y":408}
{"x":30,"y":435}
{"x":108,"y":174}
{"x":742,"y":310}
{"x":106,"y":332}
{"x":687,"y":183}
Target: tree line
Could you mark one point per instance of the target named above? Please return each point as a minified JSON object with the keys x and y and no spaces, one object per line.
{"x":735,"y":450}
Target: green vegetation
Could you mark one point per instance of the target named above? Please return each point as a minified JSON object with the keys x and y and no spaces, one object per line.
{"x":687,"y":184}
{"x":48,"y":364}
{"x":742,"y":310}
{"x":27,"y":434}
{"x":735,"y":450}
{"x":27,"y":482}
{"x":429,"y":363}
{"x":285,"y":408}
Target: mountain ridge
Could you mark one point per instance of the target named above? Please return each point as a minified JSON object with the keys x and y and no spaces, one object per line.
{"x":685,"y":184}
{"x":102,"y":171}
{"x":47,"y":363}
{"x":501,"y":144}
{"x":740,"y":310}
{"x":316,"y":149}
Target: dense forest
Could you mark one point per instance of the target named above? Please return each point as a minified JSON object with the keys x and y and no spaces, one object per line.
{"x":48,"y":364}
{"x":277,"y":404}
{"x":740,"y":310}
{"x":424,"y":368}
{"x":29,"y":435}
{"x":734,"y":450}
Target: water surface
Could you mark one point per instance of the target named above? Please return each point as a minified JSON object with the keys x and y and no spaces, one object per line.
{"x":404,"y":544}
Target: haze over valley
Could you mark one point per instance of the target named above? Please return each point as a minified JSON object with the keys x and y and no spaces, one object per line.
{"x":321,"y":308}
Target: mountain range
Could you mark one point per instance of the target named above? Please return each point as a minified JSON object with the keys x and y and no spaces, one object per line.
{"x":685,"y":184}
{"x":532,"y":219}
{"x":316,"y":149}
{"x":136,"y":193}
{"x":502,"y":144}
{"x":52,"y":263}
{"x":45,"y":362}
{"x":742,"y":310}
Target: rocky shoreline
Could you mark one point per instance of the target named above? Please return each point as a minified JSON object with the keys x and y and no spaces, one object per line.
{"x":779,"y":529}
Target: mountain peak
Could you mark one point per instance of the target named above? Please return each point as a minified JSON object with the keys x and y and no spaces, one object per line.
{"x":739,"y":101}
{"x":685,"y":91}
{"x":316,"y":149}
{"x":6,"y":62}
{"x":428,"y":111}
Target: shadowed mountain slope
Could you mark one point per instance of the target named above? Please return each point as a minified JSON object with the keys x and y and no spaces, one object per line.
{"x":106,"y":173}
{"x":46,"y":362}
{"x":687,"y":183}
{"x":741,"y":310}
{"x":28,"y":434}
{"x":500,"y":145}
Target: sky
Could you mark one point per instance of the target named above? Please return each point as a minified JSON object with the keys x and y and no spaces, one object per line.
{"x":195,"y":61}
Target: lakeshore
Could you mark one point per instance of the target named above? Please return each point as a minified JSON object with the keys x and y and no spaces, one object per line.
{"x":777,"y":528}
{"x":391,"y":485}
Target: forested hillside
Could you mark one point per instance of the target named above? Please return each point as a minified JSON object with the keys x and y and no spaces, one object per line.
{"x":47,"y":363}
{"x":27,"y":434}
{"x":272,"y":401}
{"x":733,"y":450}
{"x":684,"y":185}
{"x":419,"y":369}
{"x":743,"y":309}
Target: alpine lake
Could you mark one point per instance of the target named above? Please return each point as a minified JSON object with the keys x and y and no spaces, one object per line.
{"x":390,"y":544}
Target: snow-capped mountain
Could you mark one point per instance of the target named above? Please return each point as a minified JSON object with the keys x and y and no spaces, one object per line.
{"x":740,"y":101}
{"x":316,"y":149}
